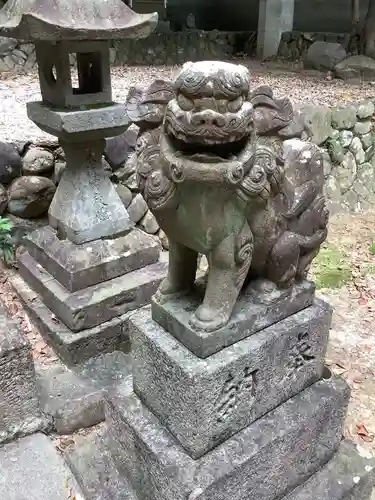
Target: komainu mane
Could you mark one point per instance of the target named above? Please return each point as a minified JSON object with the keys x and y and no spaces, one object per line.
{"x":219,"y":167}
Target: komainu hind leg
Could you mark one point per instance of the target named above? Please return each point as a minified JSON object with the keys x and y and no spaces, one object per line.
{"x":182,"y":269}
{"x":283,"y":261}
{"x":229,"y":264}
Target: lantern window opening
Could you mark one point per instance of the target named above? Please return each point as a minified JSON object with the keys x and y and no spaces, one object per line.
{"x":87,"y":73}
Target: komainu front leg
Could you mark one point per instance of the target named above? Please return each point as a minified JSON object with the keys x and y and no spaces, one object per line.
{"x":229,"y":264}
{"x":181,"y":272}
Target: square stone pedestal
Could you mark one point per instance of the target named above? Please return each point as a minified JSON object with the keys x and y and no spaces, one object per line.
{"x":80,"y":296}
{"x":261,"y":419}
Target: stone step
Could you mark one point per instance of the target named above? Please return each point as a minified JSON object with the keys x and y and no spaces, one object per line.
{"x":347,"y":476}
{"x":20,"y":412}
{"x":32,"y":469}
{"x":72,"y":348}
{"x":80,"y":266}
{"x":94,"y":469}
{"x":265,"y":461}
{"x":95,"y":304}
{"x":73,"y":399}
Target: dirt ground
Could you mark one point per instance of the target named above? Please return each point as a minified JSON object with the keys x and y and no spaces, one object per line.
{"x":345,"y":272}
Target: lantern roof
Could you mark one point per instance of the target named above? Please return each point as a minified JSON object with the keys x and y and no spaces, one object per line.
{"x":54,"y":20}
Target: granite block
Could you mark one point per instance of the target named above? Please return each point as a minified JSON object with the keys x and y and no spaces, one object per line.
{"x":346,"y":476}
{"x":265,"y":461}
{"x":96,"y":304}
{"x":256,"y":309}
{"x":80,"y":266}
{"x":32,"y":469}
{"x":203,"y":402}
{"x":73,"y":347}
{"x":20,"y":412}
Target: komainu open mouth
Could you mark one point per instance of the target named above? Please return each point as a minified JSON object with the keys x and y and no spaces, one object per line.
{"x":208,"y":152}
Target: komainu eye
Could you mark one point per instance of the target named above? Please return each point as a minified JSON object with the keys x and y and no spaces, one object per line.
{"x":185,"y":103}
{"x":236,"y":105}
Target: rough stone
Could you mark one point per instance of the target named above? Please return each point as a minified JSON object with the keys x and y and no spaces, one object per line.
{"x":95,"y":470}
{"x":269,"y":458}
{"x":58,"y":171}
{"x":362,"y":128}
{"x":80,"y":266}
{"x":3,"y":199}
{"x":346,"y":476}
{"x":257,"y":308}
{"x":357,"y":150}
{"x":367,"y":141}
{"x":149,"y":224}
{"x":125,"y":194}
{"x":30,"y":196}
{"x":337,"y":151}
{"x":37,"y":161}
{"x":96,"y":304}
{"x":73,"y":348}
{"x":33,"y":469}
{"x":346,"y":137}
{"x":365,"y":110}
{"x":324,"y":56}
{"x":19,"y":405}
{"x":346,"y":172}
{"x":163,"y":239}
{"x":344,"y":117}
{"x":71,"y":402}
{"x":7,"y":45}
{"x":317,"y":121}
{"x":120,"y":147}
{"x":137,"y":208}
{"x":203,"y":402}
{"x":122,"y":174}
{"x":356,"y":67}
{"x":365,"y":176}
{"x":10,"y":163}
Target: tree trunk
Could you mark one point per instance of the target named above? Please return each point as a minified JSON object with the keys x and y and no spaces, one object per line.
{"x":369,"y":31}
{"x":355,"y":16}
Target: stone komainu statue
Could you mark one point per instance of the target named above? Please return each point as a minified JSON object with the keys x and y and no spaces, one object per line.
{"x":218,"y":168}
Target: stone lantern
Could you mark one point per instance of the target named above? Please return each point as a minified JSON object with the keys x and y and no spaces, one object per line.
{"x":90,"y":242}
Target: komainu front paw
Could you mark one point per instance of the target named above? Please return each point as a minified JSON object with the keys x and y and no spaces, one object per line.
{"x":167,"y":291}
{"x":208,"y":319}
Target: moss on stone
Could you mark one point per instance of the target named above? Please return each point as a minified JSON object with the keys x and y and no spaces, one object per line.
{"x":331,"y":269}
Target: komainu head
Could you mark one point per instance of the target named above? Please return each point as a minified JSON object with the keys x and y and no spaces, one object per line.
{"x":210,"y":113}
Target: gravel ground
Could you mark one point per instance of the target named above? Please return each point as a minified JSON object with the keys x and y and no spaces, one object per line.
{"x":301,"y":86}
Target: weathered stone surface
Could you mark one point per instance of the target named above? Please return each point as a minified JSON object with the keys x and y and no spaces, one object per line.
{"x":58,"y":171}
{"x":137,"y":208}
{"x":148,"y":223}
{"x":344,"y":117}
{"x":204,"y":402}
{"x":79,"y":266}
{"x":95,"y":470}
{"x":86,"y":206}
{"x":7,"y":45}
{"x":71,"y":402}
{"x":22,"y":227}
{"x":30,"y":196}
{"x":120,"y":147}
{"x":346,"y":137}
{"x":337,"y":151}
{"x":346,"y":476}
{"x":357,"y":150}
{"x":3,"y":199}
{"x":358,"y":66}
{"x":324,"y":56}
{"x":266,"y":460}
{"x":19,"y":405}
{"x":37,"y":161}
{"x":365,"y":110}
{"x":346,"y":172}
{"x":317,"y":121}
{"x":367,"y":140}
{"x":122,"y":174}
{"x":10,"y":163}
{"x":362,"y":128}
{"x":33,"y":469}
{"x":73,"y":348}
{"x":125,"y":194}
{"x":163,"y":239}
{"x":96,"y":304}
{"x":257,"y":308}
